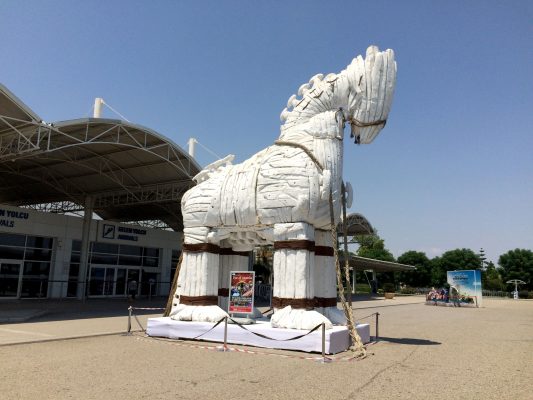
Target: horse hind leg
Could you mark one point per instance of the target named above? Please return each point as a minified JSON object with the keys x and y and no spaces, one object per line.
{"x":198,"y":280}
{"x":326,"y":278}
{"x":294,"y":264}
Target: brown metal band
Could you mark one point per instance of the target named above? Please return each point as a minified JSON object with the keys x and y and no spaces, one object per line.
{"x":325,"y":301}
{"x":280,"y":302}
{"x":201,"y":248}
{"x":366,"y":124}
{"x":199,"y":300}
{"x":224,"y":292}
{"x":295,"y":245}
{"x":325,"y":251}
{"x":226,"y":251}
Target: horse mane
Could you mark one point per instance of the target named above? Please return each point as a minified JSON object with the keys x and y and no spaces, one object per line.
{"x":312,"y":98}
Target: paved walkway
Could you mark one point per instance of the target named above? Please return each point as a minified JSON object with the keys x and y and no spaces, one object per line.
{"x":424,"y":352}
{"x":27,"y":321}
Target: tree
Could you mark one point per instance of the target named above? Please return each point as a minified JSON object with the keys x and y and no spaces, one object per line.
{"x":458,"y":259}
{"x":482,"y":257}
{"x":491,"y":278}
{"x":422,"y":276}
{"x":518,"y":264}
{"x":372,"y":246}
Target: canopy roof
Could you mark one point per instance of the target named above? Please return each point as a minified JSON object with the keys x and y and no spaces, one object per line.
{"x":127,"y":171}
{"x":357,"y":225}
{"x":363,"y":263}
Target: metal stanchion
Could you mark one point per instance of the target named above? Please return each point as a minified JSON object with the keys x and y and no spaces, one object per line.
{"x":130,"y":312}
{"x":224,"y":347}
{"x":377,"y":326}
{"x":324,"y":359}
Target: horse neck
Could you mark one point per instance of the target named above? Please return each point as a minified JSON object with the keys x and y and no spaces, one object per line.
{"x":322,"y":135}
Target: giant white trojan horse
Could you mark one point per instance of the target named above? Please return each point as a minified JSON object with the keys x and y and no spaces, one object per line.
{"x":283,"y":196}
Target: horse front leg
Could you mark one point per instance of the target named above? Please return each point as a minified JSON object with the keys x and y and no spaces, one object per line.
{"x":294,"y":264}
{"x":198,"y":280}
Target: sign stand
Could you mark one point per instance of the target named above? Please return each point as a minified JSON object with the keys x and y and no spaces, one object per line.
{"x":241,"y":293}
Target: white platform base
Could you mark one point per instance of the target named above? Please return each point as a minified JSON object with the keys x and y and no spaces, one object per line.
{"x":337,"y":339}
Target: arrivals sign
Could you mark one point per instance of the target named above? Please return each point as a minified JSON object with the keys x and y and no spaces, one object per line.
{"x":465,"y":285}
{"x":111,"y":231}
{"x":8,"y":217}
{"x":241,"y":293}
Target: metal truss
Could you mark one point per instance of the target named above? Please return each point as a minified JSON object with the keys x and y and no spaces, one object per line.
{"x":67,"y":144}
{"x":152,"y":224}
{"x":31,"y":138}
{"x":160,"y":193}
{"x":59,"y":207}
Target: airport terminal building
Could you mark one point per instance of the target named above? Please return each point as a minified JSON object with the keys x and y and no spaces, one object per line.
{"x":87,"y":205}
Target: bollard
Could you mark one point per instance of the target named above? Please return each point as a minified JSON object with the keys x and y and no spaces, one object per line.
{"x":377,"y":326}
{"x":323,"y":341}
{"x":224,"y":347}
{"x":324,"y":359}
{"x":130,"y":311}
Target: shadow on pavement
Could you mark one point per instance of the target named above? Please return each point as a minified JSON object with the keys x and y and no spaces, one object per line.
{"x":411,"y":341}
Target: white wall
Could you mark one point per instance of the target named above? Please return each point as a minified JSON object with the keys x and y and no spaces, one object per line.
{"x":65,"y":228}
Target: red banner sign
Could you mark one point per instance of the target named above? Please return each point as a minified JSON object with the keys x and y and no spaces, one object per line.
{"x":241,"y":294}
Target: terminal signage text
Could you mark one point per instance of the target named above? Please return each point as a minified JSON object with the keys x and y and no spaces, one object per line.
{"x":8,"y":217}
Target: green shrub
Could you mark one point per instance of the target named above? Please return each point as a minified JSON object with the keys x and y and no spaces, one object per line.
{"x":388,"y":287}
{"x":408,"y":290}
{"x":524,"y":294}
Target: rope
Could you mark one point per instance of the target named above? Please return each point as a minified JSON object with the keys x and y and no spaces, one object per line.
{"x":302,"y":147}
{"x":277,"y":340}
{"x":213,"y":327}
{"x":368,"y":316}
{"x":139,"y":322}
{"x":357,"y":342}
{"x":168,"y":308}
{"x":345,"y":237}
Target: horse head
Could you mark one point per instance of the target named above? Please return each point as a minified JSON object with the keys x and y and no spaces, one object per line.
{"x":360,"y":95}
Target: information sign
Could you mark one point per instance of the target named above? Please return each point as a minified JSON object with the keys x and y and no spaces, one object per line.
{"x":241,"y":294}
{"x":465,"y":286}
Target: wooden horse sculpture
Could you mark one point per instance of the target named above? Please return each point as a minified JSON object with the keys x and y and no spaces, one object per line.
{"x":283,"y":196}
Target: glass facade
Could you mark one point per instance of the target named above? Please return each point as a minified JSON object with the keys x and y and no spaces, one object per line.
{"x":24,"y":265}
{"x":112,"y":267}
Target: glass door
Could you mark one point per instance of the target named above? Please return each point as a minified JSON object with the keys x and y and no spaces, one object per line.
{"x":109,"y":282}
{"x":10,"y":278}
{"x":120,"y":285}
{"x":134,"y":274}
{"x":97,"y":281}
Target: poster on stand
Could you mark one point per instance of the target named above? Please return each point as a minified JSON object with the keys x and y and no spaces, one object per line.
{"x":465,"y":287}
{"x":241,"y":296}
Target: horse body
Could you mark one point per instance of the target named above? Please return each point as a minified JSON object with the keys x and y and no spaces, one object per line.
{"x":282,"y":196}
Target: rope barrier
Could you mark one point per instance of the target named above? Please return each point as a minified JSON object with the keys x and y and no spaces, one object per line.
{"x":277,"y":340}
{"x":322,"y":359}
{"x":370,"y":315}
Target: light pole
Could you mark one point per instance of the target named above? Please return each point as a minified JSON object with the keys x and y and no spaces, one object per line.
{"x":516,"y":283}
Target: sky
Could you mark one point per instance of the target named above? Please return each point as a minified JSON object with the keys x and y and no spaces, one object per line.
{"x":453,"y":168}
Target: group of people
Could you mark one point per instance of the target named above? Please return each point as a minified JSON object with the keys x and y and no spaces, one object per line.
{"x":438,"y":295}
